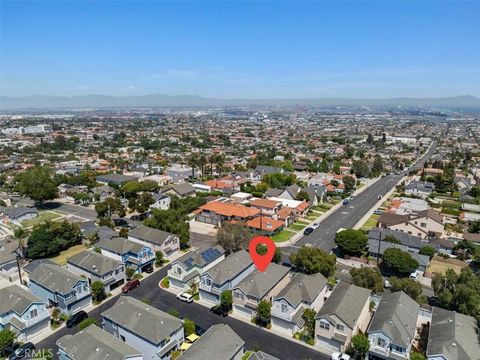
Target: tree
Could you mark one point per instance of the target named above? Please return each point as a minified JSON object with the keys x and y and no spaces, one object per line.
{"x":391,"y":239}
{"x":7,"y":337}
{"x":312,"y":260}
{"x":129,"y":272}
{"x":370,"y":139}
{"x":302,"y":196}
{"x":159,"y":260}
{"x":377,"y":166}
{"x":417,"y":356}
{"x":233,"y":237}
{"x":360,"y":345}
{"x":428,"y":251}
{"x":408,"y":286}
{"x":98,"y":291}
{"x":309,"y":317}
{"x":188,"y":327}
{"x":87,"y":322}
{"x":351,"y":242}
{"x":360,"y":169}
{"x":368,"y":278}
{"x":226,"y":300}
{"x":109,"y":207}
{"x":349,"y":183}
{"x":277,"y":257}
{"x":49,"y":238}
{"x":263,"y":316}
{"x":123,"y":232}
{"x":398,"y":262}
{"x":37,"y":183}
{"x":173,"y":312}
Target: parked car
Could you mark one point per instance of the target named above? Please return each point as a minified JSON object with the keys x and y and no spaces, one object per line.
{"x":148,"y":269}
{"x":76,"y":318}
{"x":199,"y":330}
{"x":185,"y":297}
{"x":340,"y":356}
{"x":22,"y":351}
{"x":219,"y":310}
{"x":387,"y":284}
{"x":315,"y":225}
{"x":379,"y":197}
{"x":414,"y":275}
{"x":345,"y":202}
{"x":433,"y":301}
{"x":307,"y":231}
{"x":378,"y":212}
{"x":129,"y":286}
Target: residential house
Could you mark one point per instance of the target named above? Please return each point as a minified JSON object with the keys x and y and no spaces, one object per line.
{"x":216,"y":212}
{"x":22,"y":312}
{"x":374,"y":246}
{"x":179,"y":173}
{"x":264,"y":225}
{"x":219,"y":342}
{"x":225,"y":275}
{"x":134,"y":255}
{"x":93,"y":343}
{"x":116,"y":179}
{"x":182,"y":190}
{"x":98,"y":267}
{"x":422,"y":189}
{"x":267,"y":207}
{"x":59,"y":287}
{"x":158,"y":240}
{"x":189,"y":267}
{"x":452,"y":336}
{"x":300,"y":208}
{"x":162,"y":201}
{"x":344,"y":314}
{"x":393,"y":327}
{"x":153,"y":332}
{"x":424,"y":224}
{"x":102,"y":192}
{"x":17,"y":214}
{"x":302,"y":292}
{"x":414,"y":243}
{"x":259,"y":286}
{"x":8,"y":258}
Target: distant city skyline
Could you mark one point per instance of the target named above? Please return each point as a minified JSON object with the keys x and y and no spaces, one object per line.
{"x":241,"y":50}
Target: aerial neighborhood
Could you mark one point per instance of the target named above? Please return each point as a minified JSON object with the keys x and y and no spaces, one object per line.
{"x":124,"y":234}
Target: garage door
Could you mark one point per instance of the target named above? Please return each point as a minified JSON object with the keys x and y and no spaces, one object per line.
{"x":282,"y":325}
{"x":242,"y":311}
{"x":328,"y":343}
{"x":209,"y":297}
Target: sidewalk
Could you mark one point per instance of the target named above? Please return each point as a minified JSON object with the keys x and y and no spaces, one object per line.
{"x":326,"y":214}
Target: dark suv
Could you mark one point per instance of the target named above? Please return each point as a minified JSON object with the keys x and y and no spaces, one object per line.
{"x":76,"y":318}
{"x":218,"y":310}
{"x":22,"y":351}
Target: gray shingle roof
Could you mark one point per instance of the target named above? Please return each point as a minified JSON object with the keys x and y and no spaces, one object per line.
{"x":220,"y":342}
{"x":142,"y":319}
{"x":14,"y":298}
{"x":93,"y":262}
{"x":258,"y":284}
{"x":454,"y":335}
{"x":119,"y":245}
{"x":94,"y":343}
{"x":404,"y":238}
{"x":346,"y":302}
{"x":181,"y":189}
{"x":230,"y":267}
{"x":260,"y":355}
{"x":303,"y":288}
{"x":396,"y":316}
{"x":55,"y":278}
{"x":148,"y":234}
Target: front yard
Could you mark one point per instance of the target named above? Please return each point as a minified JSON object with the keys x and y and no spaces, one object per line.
{"x":282,"y":236}
{"x":43,"y":215}
{"x":370,"y":223}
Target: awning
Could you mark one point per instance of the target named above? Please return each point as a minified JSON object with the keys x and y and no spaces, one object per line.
{"x":185,"y":346}
{"x":192,"y":337}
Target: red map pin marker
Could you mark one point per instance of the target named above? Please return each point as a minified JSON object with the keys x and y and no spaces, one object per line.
{"x":261,"y":261}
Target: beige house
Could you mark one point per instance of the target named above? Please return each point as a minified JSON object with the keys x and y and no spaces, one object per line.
{"x":259,"y":286}
{"x":344,"y":314}
{"x":422,"y":223}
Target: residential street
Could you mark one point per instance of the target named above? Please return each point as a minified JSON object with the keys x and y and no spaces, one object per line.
{"x":254,"y":338}
{"x":348,"y":215}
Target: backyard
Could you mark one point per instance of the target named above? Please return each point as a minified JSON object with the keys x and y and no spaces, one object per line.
{"x":61,"y":259}
{"x":439,"y":265}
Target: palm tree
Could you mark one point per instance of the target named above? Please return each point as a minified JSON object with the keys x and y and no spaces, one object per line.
{"x":220,"y":161}
{"x":202,"y":161}
{"x":211,"y":160}
{"x":193,"y":161}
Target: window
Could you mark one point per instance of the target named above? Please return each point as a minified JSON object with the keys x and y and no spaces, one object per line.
{"x":33,"y":313}
{"x":178,"y":271}
{"x":208,"y":282}
{"x":398,"y":349}
{"x":284,"y":308}
{"x":239,"y":295}
{"x":424,"y":225}
{"x":381,"y":342}
{"x":324,"y":325}
{"x":340,"y":327}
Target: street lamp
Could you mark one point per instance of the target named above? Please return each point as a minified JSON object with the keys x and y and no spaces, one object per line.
{"x":18,"y":256}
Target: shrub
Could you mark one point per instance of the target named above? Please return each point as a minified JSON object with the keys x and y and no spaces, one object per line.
{"x":87,"y":322}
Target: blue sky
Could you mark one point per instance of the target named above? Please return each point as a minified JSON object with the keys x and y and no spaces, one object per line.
{"x":241,"y":49}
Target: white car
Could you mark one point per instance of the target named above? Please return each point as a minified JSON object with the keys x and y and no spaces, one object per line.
{"x":315,"y":225}
{"x":387,"y":284}
{"x":340,"y":356}
{"x":185,"y":297}
{"x":414,"y":275}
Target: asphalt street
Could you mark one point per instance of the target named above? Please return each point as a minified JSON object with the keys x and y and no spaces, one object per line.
{"x":348,"y":215}
{"x":255,"y":338}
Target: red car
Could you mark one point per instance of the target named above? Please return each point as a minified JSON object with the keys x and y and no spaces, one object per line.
{"x":129,"y":286}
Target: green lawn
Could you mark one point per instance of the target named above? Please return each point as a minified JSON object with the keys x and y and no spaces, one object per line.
{"x":297,"y":227}
{"x":43,"y":215}
{"x":323,"y":207}
{"x":371,"y":222}
{"x":61,"y":259}
{"x":282,"y":236}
